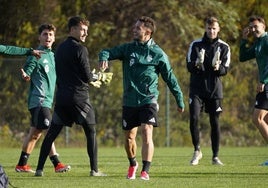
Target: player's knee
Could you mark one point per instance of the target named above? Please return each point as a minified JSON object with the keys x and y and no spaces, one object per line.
{"x":36,"y":136}
{"x":90,"y":127}
{"x":130,"y":139}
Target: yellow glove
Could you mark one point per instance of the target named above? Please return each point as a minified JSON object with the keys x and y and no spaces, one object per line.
{"x":105,"y":77}
{"x":96,"y":84}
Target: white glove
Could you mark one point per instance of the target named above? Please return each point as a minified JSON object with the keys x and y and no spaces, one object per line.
{"x":216,"y":60}
{"x":201,"y":57}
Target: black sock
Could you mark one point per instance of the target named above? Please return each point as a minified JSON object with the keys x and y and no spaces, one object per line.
{"x":54,"y":159}
{"x":23,"y":158}
{"x":197,"y":148}
{"x":146,"y":166}
{"x":132,"y":161}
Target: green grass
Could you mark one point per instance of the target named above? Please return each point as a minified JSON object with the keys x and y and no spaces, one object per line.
{"x":170,"y":168}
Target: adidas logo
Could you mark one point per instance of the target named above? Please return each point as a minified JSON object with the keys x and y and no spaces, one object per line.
{"x":219,"y":109}
{"x":152,"y":120}
{"x":45,"y":61}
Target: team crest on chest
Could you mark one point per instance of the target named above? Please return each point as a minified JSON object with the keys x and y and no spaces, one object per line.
{"x":132,"y":59}
{"x":46,"y":68}
{"x":131,"y":62}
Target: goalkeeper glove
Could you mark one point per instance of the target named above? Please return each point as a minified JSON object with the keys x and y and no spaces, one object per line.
{"x":105,"y":77}
{"x":201,"y":57}
{"x":216,"y":60}
{"x":96,"y":84}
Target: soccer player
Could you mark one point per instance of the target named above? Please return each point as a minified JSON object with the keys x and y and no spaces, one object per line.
{"x":143,"y":61}
{"x":42,"y":76}
{"x":72,"y":97}
{"x":208,"y":59}
{"x":258,"y":50}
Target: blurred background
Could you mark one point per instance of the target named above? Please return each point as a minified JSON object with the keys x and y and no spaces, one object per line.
{"x":179,"y":22}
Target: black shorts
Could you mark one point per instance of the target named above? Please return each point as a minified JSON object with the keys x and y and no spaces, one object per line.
{"x":211,"y":106}
{"x":78,"y":113}
{"x":261,"y":101}
{"x":41,"y":117}
{"x":135,"y":116}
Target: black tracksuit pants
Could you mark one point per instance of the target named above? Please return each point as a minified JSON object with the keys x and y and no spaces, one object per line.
{"x":196,"y":107}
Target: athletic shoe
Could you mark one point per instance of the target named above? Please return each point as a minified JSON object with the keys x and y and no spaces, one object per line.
{"x":144,"y":175}
{"x":39,"y":173}
{"x":25,"y":168}
{"x":216,"y":161}
{"x":196,"y":157}
{"x":62,"y":168}
{"x":132,"y":172}
{"x":265,"y":163}
{"x":94,"y":173}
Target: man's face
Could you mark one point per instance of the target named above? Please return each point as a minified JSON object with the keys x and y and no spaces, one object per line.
{"x":47,"y":38}
{"x":140,"y":32}
{"x":257,"y":28}
{"x":80,"y":32}
{"x":212,"y":30}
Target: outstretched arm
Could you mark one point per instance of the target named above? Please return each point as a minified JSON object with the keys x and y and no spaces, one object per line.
{"x":18,"y":51}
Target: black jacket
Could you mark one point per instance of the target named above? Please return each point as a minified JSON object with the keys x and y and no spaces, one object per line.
{"x":204,"y":81}
{"x":73,"y":72}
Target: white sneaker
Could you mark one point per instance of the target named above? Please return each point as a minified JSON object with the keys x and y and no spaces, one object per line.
{"x":196,"y":157}
{"x":97,"y":174}
{"x":217,"y":161}
{"x":39,"y":173}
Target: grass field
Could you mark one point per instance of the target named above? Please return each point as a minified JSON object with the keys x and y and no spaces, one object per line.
{"x":170,"y":168}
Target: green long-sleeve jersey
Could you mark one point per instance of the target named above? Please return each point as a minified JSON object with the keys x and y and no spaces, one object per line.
{"x":43,"y":79}
{"x":258,"y":50}
{"x":13,"y":50}
{"x":142,"y":64}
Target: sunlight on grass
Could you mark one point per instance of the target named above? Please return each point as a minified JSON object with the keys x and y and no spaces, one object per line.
{"x":170,"y":168}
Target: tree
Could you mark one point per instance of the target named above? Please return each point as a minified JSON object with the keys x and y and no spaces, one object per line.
{"x":178,"y":23}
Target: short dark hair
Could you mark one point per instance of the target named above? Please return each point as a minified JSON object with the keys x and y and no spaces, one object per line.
{"x":50,"y":27}
{"x":211,"y":20}
{"x":256,"y":17}
{"x":148,"y":22}
{"x":77,"y":20}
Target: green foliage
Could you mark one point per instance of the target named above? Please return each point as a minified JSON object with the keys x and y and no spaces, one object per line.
{"x":178,"y":23}
{"x":13,"y":94}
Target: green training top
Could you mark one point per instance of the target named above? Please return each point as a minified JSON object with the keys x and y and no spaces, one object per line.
{"x":13,"y":50}
{"x":43,"y":79}
{"x":142,"y":65}
{"x":258,"y":50}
